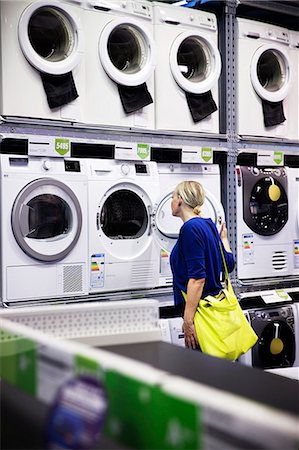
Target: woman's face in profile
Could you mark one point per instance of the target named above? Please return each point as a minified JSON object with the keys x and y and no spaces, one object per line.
{"x":175,"y":204}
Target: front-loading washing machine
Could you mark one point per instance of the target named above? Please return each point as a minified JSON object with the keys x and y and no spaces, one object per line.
{"x":120,"y":62}
{"x":188,"y":69}
{"x":277,"y":331}
{"x":264,"y":247}
{"x":43,"y":228}
{"x":265,"y":81}
{"x":166,"y":226}
{"x":42,"y":60}
{"x":294,"y":98}
{"x":122,"y":198}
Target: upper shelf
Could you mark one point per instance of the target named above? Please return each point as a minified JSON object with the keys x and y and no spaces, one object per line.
{"x":283,"y":13}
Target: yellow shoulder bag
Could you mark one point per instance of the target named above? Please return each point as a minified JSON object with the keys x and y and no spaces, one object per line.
{"x":221,"y":327}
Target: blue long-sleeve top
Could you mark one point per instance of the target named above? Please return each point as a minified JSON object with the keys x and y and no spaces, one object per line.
{"x":197,"y":254}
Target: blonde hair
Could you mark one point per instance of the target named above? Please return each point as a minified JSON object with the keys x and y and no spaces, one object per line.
{"x":192,"y":194}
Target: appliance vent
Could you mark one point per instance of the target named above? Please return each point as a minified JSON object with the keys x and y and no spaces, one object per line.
{"x":142,"y":274}
{"x":280,"y":261}
{"x":72,"y":278}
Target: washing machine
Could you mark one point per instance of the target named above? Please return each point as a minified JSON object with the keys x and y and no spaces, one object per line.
{"x":167,"y":226}
{"x":188,"y":69}
{"x":294,"y":98}
{"x":264,"y":79}
{"x":264,"y":247}
{"x":43,"y":228}
{"x":120,"y":62}
{"x":277,"y":331}
{"x":293,"y":180}
{"x":122,"y":198}
{"x":42,"y":60}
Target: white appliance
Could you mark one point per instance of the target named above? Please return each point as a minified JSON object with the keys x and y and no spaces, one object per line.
{"x":122,"y":197}
{"x":43,"y":228}
{"x":265,"y":80}
{"x":294,"y":98}
{"x":166,"y":226}
{"x":277,"y":331}
{"x":171,"y":331}
{"x":293,"y":181}
{"x":120,"y":61}
{"x":264,"y":247}
{"x":188,"y":69}
{"x":42,"y":49}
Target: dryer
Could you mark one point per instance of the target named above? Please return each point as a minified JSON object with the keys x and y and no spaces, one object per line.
{"x":294,"y":98}
{"x":120,"y":61}
{"x":122,"y":197}
{"x":166,"y":226}
{"x":43,"y":228}
{"x":42,"y":68}
{"x":264,"y":247}
{"x":265,"y":81}
{"x":277,"y":331}
{"x":188,"y":69}
{"x":293,"y":180}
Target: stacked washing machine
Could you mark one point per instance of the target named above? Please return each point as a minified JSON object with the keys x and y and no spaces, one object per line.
{"x":277,"y":328}
{"x":44,"y":225}
{"x":266,"y":81}
{"x":166,"y":226}
{"x":188,"y":69}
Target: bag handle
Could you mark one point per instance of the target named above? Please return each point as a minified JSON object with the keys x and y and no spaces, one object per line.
{"x":224,"y":263}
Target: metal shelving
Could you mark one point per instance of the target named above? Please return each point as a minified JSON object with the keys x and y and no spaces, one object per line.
{"x":284,"y":12}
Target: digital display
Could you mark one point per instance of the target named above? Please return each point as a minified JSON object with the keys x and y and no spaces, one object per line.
{"x":72,"y":166}
{"x":141,"y":168}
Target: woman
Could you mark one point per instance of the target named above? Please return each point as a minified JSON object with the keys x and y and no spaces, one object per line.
{"x":196,"y":260}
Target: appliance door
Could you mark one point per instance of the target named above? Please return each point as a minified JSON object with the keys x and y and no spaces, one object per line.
{"x":270,"y":73}
{"x":127,"y":52}
{"x":265,"y":207}
{"x":51,"y":37}
{"x":46,"y":220}
{"x":123,"y":221}
{"x":167,"y":227}
{"x":275,"y":347}
{"x":195,"y":62}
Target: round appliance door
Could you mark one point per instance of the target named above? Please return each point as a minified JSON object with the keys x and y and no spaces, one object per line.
{"x":267,"y":211}
{"x":123,"y":221}
{"x":270,"y":72}
{"x":276,"y":346}
{"x":127,"y":52}
{"x":195,"y":63}
{"x":46,"y":220}
{"x":51,"y":37}
{"x":167,"y":227}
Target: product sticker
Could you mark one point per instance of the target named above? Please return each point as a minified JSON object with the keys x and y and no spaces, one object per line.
{"x":143,"y":151}
{"x":201,"y":155}
{"x":296,"y":253}
{"x":126,"y":151}
{"x":77,"y":415}
{"x":248,"y":248}
{"x":165,"y":269}
{"x":279,"y":295}
{"x":97,"y":270}
{"x":270,"y":158}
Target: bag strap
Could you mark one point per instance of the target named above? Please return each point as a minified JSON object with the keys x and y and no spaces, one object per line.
{"x":224,"y":263}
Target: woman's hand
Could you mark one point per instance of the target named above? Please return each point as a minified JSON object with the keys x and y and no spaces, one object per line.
{"x":224,"y":238}
{"x":190,"y":335}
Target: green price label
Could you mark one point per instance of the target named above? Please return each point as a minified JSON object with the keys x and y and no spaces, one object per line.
{"x":143,"y":150}
{"x":206,"y":153}
{"x":62,"y":146}
{"x":278,"y":157}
